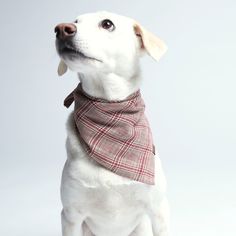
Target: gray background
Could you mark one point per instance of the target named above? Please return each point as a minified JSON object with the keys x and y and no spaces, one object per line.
{"x":190,"y":98}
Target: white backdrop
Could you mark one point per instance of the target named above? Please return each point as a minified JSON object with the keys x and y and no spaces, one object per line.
{"x":190,"y":98}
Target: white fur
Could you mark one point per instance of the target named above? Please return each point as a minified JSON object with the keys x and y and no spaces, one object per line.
{"x":95,"y":200}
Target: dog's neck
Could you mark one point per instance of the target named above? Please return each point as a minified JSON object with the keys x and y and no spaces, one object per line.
{"x":110,"y":86}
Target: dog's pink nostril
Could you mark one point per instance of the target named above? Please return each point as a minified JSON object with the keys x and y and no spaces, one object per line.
{"x":70,"y":29}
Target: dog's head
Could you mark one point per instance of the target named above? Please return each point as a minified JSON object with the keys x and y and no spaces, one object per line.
{"x":104,"y":42}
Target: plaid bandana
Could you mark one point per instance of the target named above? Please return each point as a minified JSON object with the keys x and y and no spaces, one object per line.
{"x":116,"y":134}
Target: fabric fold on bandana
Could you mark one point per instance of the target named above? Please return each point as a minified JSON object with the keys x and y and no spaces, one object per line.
{"x":116,"y":134}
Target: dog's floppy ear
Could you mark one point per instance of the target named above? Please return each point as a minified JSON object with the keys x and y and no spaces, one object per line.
{"x":154,"y":46}
{"x":62,"y":68}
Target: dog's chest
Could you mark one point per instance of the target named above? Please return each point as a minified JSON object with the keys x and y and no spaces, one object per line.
{"x":96,"y":186}
{"x":103,"y":196}
{"x":100,"y":195}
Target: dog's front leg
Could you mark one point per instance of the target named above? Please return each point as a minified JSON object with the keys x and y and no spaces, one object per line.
{"x":160,"y":219}
{"x":71,"y":223}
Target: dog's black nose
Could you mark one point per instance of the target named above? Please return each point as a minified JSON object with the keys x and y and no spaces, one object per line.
{"x":64,"y":31}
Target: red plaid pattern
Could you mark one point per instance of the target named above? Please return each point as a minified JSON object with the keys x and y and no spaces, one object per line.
{"x":116,"y":134}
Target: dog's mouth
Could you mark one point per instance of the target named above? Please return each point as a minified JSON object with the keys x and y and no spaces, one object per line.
{"x":69,"y":50}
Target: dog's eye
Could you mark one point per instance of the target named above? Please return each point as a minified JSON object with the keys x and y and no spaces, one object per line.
{"x":107,"y":25}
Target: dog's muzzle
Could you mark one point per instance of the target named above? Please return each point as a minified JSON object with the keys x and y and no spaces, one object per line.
{"x":64,"y":38}
{"x":65,"y":45}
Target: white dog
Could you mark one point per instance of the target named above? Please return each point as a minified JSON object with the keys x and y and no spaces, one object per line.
{"x":104,"y":49}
